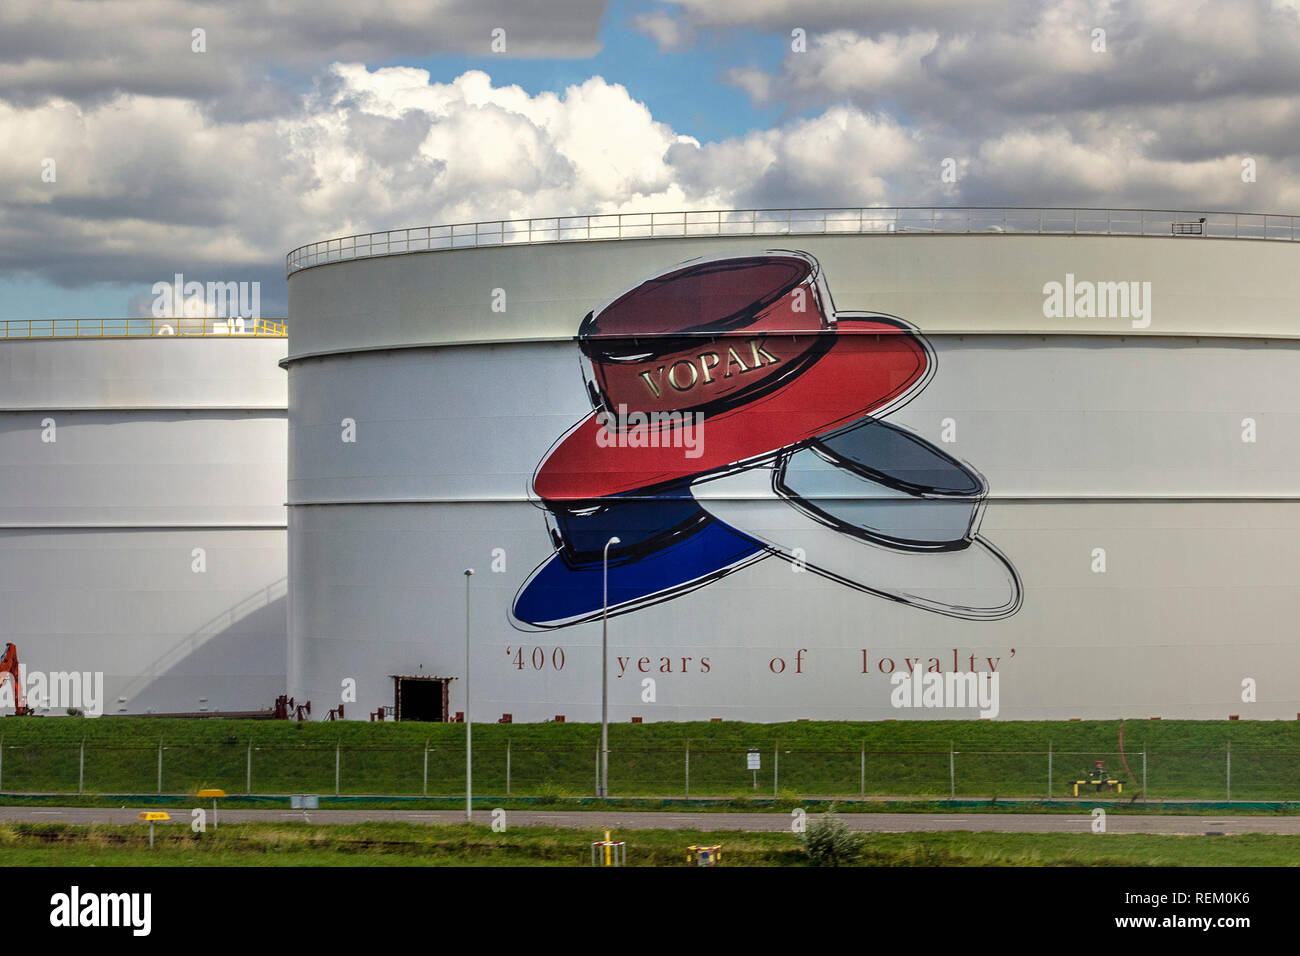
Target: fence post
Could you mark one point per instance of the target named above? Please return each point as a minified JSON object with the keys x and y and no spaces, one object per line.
{"x":598,"y":771}
{"x":1049,"y":771}
{"x":507,"y":766}
{"x":159,"y":765}
{"x":776,"y":770}
{"x":337,"y":745}
{"x":688,"y":768}
{"x":1229,"y":771}
{"x":864,"y":770}
{"x":248,"y":772}
{"x":81,"y":767}
{"x":952,"y":770}
{"x":1144,"y":774}
{"x":424,"y":787}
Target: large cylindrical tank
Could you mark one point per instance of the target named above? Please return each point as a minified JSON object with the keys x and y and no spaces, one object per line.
{"x":142,"y":521}
{"x":1126,"y":404}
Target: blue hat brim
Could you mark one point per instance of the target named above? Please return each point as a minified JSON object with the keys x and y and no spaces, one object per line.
{"x":558,"y":593}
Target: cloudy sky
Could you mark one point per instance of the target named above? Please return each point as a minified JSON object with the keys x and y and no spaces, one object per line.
{"x":214,"y":153}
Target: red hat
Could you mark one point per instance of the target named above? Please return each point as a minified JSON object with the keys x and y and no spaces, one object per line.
{"x":720,"y":362}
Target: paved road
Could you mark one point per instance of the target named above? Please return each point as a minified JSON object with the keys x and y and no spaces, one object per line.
{"x":639,"y":820}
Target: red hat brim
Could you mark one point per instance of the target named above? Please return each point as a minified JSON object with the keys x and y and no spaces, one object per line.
{"x":874,"y":365}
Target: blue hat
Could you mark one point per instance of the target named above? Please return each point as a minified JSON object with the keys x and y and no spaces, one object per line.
{"x":668,"y":545}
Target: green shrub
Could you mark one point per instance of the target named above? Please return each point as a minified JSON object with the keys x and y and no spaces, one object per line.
{"x":828,"y":841}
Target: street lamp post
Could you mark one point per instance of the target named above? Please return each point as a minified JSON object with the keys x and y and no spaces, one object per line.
{"x":469,"y":724}
{"x":604,"y":678}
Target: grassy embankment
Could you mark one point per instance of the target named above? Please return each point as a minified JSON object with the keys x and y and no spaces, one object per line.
{"x":1185,"y":759}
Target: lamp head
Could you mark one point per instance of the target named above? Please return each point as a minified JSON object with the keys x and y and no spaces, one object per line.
{"x":468,"y":572}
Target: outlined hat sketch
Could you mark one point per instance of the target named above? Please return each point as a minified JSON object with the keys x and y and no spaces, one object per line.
{"x":737,"y":414}
{"x":881,"y":510}
{"x":667,"y":546}
{"x":747,"y":348}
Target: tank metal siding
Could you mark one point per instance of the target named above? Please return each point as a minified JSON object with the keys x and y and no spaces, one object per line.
{"x":1090,"y":433}
{"x":161,"y":448}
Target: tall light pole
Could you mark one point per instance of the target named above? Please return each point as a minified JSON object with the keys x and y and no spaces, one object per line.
{"x":604,"y":678}
{"x":469,"y":724}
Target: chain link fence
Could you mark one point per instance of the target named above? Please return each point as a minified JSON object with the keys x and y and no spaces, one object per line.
{"x":532,"y":771}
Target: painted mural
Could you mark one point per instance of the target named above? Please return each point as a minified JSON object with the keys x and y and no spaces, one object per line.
{"x":738,"y":416}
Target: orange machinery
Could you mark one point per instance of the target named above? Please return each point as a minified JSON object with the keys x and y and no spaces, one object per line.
{"x":9,"y":668}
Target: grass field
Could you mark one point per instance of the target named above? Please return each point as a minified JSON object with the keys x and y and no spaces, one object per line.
{"x":1184,"y":759}
{"x":399,"y":844}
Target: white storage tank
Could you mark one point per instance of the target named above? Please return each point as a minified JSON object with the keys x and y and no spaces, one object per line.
{"x":142,"y":520}
{"x":1061,"y":446}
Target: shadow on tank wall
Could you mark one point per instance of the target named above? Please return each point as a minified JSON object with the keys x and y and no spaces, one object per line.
{"x":210,"y":669}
